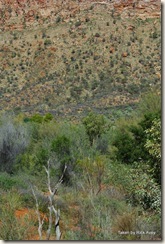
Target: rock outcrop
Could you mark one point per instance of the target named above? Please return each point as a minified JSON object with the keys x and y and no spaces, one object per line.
{"x":19,"y":14}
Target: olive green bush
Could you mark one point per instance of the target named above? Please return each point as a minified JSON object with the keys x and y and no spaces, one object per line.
{"x":95,"y":125}
{"x":13,"y":228}
{"x":14,"y":139}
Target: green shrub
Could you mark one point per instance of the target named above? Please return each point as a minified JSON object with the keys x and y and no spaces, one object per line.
{"x":33,"y":162}
{"x":13,"y":228}
{"x":78,"y":23}
{"x":58,"y":19}
{"x":37,"y":118}
{"x":130,"y":139}
{"x":93,"y":173}
{"x":47,"y":42}
{"x":125,"y":144}
{"x":95,"y":125}
{"x":14,"y":139}
{"x":61,"y":146}
{"x":145,"y":191}
{"x":153,"y":146}
{"x":7,"y":181}
{"x":150,"y":103}
{"x":48,"y":117}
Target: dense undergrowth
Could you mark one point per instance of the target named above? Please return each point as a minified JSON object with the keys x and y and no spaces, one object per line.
{"x":112,"y":186}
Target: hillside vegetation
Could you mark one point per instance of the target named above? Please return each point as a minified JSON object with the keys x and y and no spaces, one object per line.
{"x":111,"y":188}
{"x":80,"y":120}
{"x":94,"y":60}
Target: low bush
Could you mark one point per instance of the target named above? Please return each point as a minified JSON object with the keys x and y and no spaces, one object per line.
{"x":12,"y":227}
{"x":14,"y":139}
{"x":8,"y":182}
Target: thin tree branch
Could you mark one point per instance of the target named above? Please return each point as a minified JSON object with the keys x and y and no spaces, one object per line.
{"x":57,"y":226}
{"x":51,"y":207}
{"x":40,"y":222}
{"x":50,"y":222}
{"x":60,"y":181}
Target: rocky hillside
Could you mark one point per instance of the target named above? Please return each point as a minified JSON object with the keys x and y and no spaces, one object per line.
{"x":19,"y":14}
{"x":68,"y":57}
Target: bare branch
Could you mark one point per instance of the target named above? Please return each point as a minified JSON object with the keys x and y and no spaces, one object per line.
{"x":50,"y":223}
{"x":60,"y":181}
{"x":40,"y":222}
{"x":57,"y":227}
{"x":48,"y":177}
{"x":50,"y":206}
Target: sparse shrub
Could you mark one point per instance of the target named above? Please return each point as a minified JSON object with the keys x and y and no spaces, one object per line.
{"x":58,"y":19}
{"x":93,"y":172}
{"x":47,"y":42}
{"x":126,"y":223}
{"x":153,"y":145}
{"x":97,"y":35}
{"x":7,"y":181}
{"x":150,"y":103}
{"x":154,"y":35}
{"x":13,"y":55}
{"x":87,"y":19}
{"x":102,"y":145}
{"x":37,"y":118}
{"x":145,"y":191}
{"x":12,"y":227}
{"x":14,"y":139}
{"x":61,"y":147}
{"x":95,"y":125}
{"x":48,"y":117}
{"x":78,"y":23}
{"x":43,"y":35}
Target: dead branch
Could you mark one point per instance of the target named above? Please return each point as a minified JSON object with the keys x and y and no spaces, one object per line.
{"x":51,"y":208}
{"x":40,"y":221}
{"x":57,"y":227}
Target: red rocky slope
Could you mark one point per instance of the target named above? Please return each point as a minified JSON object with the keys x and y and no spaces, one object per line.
{"x":19,"y":14}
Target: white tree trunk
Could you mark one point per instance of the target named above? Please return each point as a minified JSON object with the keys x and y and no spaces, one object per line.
{"x":51,"y":207}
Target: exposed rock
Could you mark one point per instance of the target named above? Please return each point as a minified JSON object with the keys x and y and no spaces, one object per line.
{"x":125,"y":54}
{"x":18,"y":14}
{"x":112,"y":50}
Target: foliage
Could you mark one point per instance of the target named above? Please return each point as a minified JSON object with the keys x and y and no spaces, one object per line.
{"x":145,"y":191}
{"x":32,"y":162}
{"x":93,"y":173}
{"x":37,"y":118}
{"x":61,"y":146}
{"x":153,"y":145}
{"x":13,"y":228}
{"x":150,"y":102}
{"x":108,"y":179}
{"x":95,"y":125}
{"x":14,"y":139}
{"x":130,"y":139}
{"x":125,"y":144}
{"x":48,"y":117}
{"x":76,"y":134}
{"x":114,"y":170}
{"x":7,"y":181}
{"x":128,"y":224}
